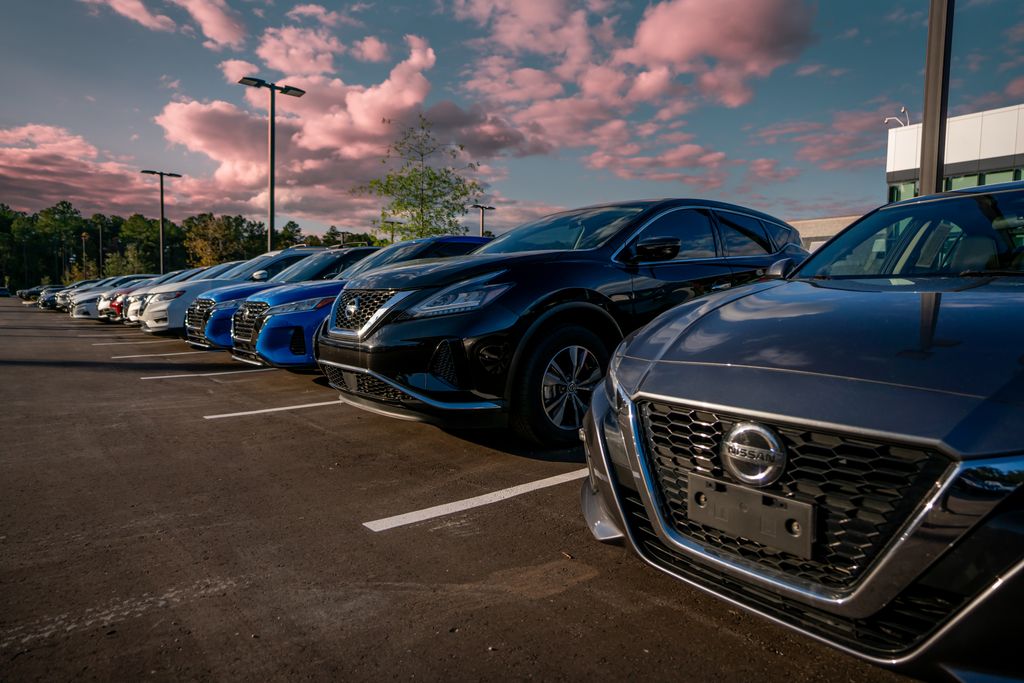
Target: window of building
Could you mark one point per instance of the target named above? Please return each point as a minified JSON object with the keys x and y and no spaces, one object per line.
{"x":960,"y":182}
{"x":997,"y":177}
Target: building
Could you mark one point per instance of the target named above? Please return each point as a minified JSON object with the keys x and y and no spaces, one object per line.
{"x":981,"y":149}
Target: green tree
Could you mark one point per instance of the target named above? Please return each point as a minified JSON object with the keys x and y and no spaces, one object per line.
{"x":289,"y":235}
{"x":332,"y":236}
{"x":427,"y":199}
{"x":142,"y":233}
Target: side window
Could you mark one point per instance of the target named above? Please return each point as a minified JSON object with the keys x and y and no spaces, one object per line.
{"x":691,"y":226}
{"x":282,"y":263}
{"x":742,"y":235}
{"x":781,"y":235}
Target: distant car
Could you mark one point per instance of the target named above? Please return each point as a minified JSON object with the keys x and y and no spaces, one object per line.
{"x":5,"y":292}
{"x":135,"y":302}
{"x":64,"y":295}
{"x":86,"y":303}
{"x":111,"y":304}
{"x":839,"y":448}
{"x":208,"y":320}
{"x":519,"y":332}
{"x":277,"y":327}
{"x":166,"y":307}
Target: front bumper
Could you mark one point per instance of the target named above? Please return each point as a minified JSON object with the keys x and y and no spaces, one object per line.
{"x":943,"y":618}
{"x":86,"y":310}
{"x":158,"y":316}
{"x":283,"y":340}
{"x":215,"y":334}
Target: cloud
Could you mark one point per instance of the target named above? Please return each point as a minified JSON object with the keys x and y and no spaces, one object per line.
{"x":900,"y":15}
{"x":370,"y":49}
{"x":221,"y":25}
{"x":763,"y":170}
{"x":323,"y":15}
{"x":137,"y":11}
{"x":809,"y":69}
{"x":234,"y":69}
{"x":299,"y":51}
{"x":498,"y":79}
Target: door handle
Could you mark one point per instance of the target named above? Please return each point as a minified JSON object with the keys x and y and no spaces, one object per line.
{"x":720,"y":286}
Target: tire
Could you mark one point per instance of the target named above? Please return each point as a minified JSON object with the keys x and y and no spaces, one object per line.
{"x":548,"y":408}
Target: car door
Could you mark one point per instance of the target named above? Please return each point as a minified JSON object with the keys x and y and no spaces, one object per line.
{"x":747,"y":248}
{"x":696,"y":269}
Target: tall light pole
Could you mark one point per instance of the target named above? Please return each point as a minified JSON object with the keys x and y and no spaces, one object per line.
{"x":274,"y":89}
{"x":482,"y":210}
{"x":392,"y":224}
{"x":936,"y":95}
{"x":169,"y":175}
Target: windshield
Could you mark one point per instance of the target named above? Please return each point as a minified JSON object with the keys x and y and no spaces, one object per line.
{"x":976,"y":234}
{"x":213,"y":271}
{"x":403,"y":251}
{"x":583,"y":229}
{"x":243,"y":270}
{"x":316,"y":267}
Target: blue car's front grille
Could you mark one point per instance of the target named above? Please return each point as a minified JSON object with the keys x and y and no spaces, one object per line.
{"x":247,"y":321}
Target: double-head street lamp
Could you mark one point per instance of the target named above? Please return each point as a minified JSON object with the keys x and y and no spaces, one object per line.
{"x":162,"y":174}
{"x":274,"y":89}
{"x":482,"y":210}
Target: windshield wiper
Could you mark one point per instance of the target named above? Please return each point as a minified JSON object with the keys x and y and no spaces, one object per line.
{"x":993,"y":273}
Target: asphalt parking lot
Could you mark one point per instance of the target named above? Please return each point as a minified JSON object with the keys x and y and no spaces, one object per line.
{"x":159,"y":518}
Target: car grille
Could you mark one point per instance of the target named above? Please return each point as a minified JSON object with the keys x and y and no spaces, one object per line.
{"x":198,"y":313}
{"x":906,"y":621}
{"x":247,"y":321}
{"x":367,"y":302}
{"x":364,"y":385}
{"x":862,"y":490}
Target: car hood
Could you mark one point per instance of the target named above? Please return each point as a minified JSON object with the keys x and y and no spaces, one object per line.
{"x":238,"y":290}
{"x":441,"y":272}
{"x":286,"y":294}
{"x":927,"y":356}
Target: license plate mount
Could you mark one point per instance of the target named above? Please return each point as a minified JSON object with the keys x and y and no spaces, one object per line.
{"x":775,"y":521}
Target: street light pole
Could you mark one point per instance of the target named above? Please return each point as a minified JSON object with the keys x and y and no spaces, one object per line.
{"x":482,"y":210}
{"x":161,"y":174}
{"x":274,"y":89}
{"x":392,"y":224}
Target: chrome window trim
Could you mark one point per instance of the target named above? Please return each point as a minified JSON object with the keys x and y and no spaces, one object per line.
{"x":333,"y":331}
{"x":910,"y":551}
{"x":903,"y":658}
{"x":442,"y":405}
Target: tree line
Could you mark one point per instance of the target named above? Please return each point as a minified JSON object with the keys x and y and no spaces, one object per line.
{"x":59,"y":244}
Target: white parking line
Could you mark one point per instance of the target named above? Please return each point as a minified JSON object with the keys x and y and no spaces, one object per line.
{"x":154,"y":355}
{"x":210,"y":374}
{"x":468,"y":503}
{"x":125,"y":343}
{"x":274,"y":410}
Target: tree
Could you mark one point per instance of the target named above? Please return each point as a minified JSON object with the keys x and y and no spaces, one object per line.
{"x":427,"y":199}
{"x":290,"y":235}
{"x":213,"y":240}
{"x":332,"y":236}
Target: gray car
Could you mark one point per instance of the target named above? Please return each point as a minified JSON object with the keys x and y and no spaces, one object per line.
{"x":839,"y":449}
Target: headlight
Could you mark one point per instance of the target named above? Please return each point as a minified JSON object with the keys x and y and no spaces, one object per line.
{"x":304,"y":305}
{"x":461,"y":297}
{"x":167,"y":296}
{"x":224,"y":305}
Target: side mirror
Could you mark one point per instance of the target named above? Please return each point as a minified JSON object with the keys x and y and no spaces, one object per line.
{"x":260,"y":275}
{"x":656,"y":249}
{"x":780,"y":269}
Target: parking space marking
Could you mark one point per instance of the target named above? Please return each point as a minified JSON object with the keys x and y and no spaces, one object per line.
{"x":335,"y":402}
{"x":154,"y":355}
{"x":210,"y":374}
{"x":125,"y":343}
{"x":469,"y":503}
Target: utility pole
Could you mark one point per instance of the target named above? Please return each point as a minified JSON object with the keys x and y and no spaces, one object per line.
{"x":936,"y":95}
{"x":482,"y":210}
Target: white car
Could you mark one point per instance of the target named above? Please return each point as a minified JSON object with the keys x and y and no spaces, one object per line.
{"x":85,"y":304}
{"x":133,"y":301}
{"x":165,"y":307}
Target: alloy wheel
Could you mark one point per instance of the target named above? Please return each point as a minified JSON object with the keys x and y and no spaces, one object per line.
{"x":569,"y":380}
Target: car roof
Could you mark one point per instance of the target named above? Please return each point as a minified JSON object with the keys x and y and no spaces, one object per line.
{"x":666,"y":202}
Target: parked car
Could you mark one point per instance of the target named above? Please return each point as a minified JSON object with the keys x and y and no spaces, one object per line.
{"x":208,"y":320}
{"x":46,"y":299}
{"x":111,"y":304}
{"x":519,"y":333}
{"x":136,"y":301}
{"x":30,"y":293}
{"x":64,"y":295}
{"x":839,"y":449}
{"x":165,"y":309}
{"x":85,"y":303}
{"x":4,"y":292}
{"x":276,"y":327}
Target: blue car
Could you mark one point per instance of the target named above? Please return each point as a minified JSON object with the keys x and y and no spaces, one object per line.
{"x":208,"y":321}
{"x":276,"y":327}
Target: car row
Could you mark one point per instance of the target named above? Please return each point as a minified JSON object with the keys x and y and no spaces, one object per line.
{"x":829,"y":441}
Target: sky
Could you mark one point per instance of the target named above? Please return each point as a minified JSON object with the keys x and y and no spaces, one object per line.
{"x":773,"y":104}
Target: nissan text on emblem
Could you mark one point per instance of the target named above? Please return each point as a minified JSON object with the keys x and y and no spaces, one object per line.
{"x":753,"y":454}
{"x":352,"y":308}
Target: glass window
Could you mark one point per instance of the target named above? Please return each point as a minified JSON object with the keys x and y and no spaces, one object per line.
{"x":960,"y":182}
{"x":742,"y":235}
{"x":583,"y":229}
{"x":449,"y":249}
{"x":780,"y":234}
{"x":400,"y":251}
{"x":692,"y":227}
{"x":282,"y":263}
{"x":998,"y":177}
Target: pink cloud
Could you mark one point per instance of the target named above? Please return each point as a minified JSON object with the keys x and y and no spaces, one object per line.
{"x":772,"y":134}
{"x":851,"y":141}
{"x":1015,"y":88}
{"x":234,"y":69}
{"x":497,"y":79}
{"x":370,"y":49}
{"x":221,"y":25}
{"x":138,"y":12}
{"x":299,"y":51}
{"x":809,"y":69}
{"x":767,"y":170}
{"x":322,"y":14}
{"x":726,"y":42}
{"x":651,"y":85}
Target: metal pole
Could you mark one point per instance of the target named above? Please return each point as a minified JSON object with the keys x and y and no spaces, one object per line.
{"x":161,"y":223}
{"x":100,"y":266}
{"x":270,"y":170}
{"x":936,"y":95}
{"x":481,"y":221}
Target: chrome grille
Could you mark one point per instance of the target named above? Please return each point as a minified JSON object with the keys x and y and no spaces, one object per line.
{"x":198,"y":313}
{"x":363,"y":304}
{"x":246,"y":321}
{"x":862,"y":490}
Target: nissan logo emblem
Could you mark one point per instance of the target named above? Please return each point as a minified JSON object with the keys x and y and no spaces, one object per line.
{"x":753,"y":454}
{"x":352,"y":308}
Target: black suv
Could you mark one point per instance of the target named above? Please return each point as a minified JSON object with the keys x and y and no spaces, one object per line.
{"x":519,"y":333}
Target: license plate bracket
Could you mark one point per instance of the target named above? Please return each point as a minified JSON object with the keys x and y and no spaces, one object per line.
{"x":777,"y":522}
